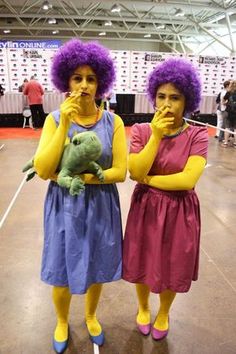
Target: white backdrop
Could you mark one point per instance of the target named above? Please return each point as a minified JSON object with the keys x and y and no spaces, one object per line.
{"x":22,"y":59}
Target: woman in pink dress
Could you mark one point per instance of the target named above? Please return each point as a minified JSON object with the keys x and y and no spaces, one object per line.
{"x":167,"y":157}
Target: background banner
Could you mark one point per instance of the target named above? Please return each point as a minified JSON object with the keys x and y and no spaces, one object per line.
{"x":23,"y":59}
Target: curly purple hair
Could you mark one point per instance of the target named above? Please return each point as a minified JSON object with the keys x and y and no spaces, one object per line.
{"x":183,"y":75}
{"x":75,"y":53}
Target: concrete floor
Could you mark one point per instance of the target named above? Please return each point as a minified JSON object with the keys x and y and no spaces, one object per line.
{"x":203,"y":321}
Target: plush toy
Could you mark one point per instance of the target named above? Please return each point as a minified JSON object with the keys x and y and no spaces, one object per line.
{"x":78,"y":157}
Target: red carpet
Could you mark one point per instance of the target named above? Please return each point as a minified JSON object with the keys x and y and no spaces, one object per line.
{"x":28,"y":133}
{"x":19,"y":133}
{"x":211,"y":131}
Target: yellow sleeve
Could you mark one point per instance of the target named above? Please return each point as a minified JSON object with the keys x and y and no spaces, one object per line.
{"x":50,"y":147}
{"x":117,"y":172}
{"x":139,"y":164}
{"x":184,"y":180}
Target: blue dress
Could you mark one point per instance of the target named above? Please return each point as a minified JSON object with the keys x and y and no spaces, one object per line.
{"x":83,"y":234}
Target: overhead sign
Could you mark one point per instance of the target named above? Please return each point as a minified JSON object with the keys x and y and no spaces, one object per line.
{"x":30,"y":44}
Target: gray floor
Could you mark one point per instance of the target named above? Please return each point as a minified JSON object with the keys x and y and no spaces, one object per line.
{"x":203,"y":321}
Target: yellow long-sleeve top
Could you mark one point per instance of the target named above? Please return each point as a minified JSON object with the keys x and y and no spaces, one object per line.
{"x":141,"y":162}
{"x":53,"y":140}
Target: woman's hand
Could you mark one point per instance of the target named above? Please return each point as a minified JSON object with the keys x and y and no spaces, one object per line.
{"x":160,"y":123}
{"x":70,"y":107}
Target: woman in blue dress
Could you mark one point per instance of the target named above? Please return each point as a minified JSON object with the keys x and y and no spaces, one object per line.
{"x":82,"y":234}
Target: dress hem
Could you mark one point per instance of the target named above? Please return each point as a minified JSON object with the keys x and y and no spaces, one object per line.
{"x":155,"y":291}
{"x":80,"y":292}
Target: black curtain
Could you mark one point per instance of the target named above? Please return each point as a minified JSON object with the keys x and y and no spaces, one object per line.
{"x":125,"y":103}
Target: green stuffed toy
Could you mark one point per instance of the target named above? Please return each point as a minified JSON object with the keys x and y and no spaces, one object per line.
{"x":78,"y":157}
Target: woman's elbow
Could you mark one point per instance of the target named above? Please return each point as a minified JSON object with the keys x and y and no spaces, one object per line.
{"x":43,"y":175}
{"x":121,"y":177}
{"x":119,"y":174}
{"x":136,"y":175}
{"x":188,"y":185}
{"x":41,"y":172}
{"x":191,"y":181}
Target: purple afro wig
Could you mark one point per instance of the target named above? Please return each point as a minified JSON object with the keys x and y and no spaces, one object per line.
{"x":75,"y":53}
{"x":183,"y":75}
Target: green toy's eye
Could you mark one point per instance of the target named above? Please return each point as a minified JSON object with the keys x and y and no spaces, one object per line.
{"x":76,"y":142}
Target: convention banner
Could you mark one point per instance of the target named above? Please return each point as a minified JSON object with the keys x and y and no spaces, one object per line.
{"x":31,"y":44}
{"x":23,"y":59}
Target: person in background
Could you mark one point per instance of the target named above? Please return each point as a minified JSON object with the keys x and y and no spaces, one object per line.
{"x":34,"y":91}
{"x":21,"y":87}
{"x":82,"y":234}
{"x":221,"y":112}
{"x":112,"y":102}
{"x":105,"y":103}
{"x":109,"y":102}
{"x":230,"y":120}
{"x":167,"y":158}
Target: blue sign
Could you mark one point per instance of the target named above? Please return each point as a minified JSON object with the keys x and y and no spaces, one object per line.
{"x":30,"y":44}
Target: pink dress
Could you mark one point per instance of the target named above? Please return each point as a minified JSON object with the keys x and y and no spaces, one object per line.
{"x":161,"y":244}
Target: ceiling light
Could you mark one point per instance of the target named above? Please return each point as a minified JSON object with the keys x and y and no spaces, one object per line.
{"x":55,"y":32}
{"x":160,"y":26}
{"x":115,"y":8}
{"x":52,"y":21}
{"x":179,"y":13}
{"x":108,"y":23}
{"x":102,"y":34}
{"x":147,"y":35}
{"x":7,"y":31}
{"x":46,"y":5}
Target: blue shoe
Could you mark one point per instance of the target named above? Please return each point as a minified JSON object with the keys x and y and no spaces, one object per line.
{"x":99,"y":340}
{"x":60,"y":347}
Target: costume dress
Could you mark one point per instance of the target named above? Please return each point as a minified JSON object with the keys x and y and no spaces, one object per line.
{"x":83,"y":234}
{"x":161,"y":245}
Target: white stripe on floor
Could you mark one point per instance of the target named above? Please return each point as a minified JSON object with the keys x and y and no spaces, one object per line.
{"x":12,"y":202}
{"x":95,"y":348}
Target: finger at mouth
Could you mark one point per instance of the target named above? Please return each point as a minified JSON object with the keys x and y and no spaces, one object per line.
{"x":161,"y":110}
{"x":75,"y":94}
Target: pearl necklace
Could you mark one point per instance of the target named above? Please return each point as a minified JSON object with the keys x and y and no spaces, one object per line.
{"x":178,"y":131}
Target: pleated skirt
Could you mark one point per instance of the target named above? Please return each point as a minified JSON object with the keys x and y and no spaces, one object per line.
{"x":162,"y":237}
{"x":82,"y":237}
